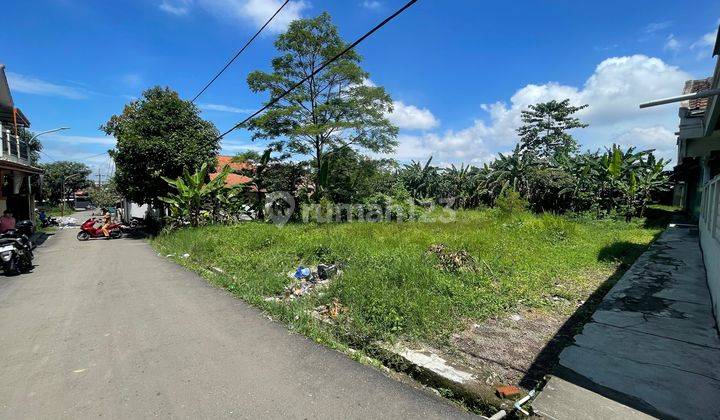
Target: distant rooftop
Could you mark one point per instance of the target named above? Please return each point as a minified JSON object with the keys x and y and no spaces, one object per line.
{"x":692,"y":86}
{"x":232,"y":178}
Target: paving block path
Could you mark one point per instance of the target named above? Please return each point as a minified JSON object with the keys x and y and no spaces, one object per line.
{"x":652,"y":347}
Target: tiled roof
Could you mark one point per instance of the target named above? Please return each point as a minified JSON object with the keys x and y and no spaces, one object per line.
{"x":227,"y":160}
{"x":692,"y":86}
{"x":232,"y":179}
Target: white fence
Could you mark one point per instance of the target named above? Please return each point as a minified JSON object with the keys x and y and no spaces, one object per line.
{"x":11,"y":147}
{"x":710,"y":238}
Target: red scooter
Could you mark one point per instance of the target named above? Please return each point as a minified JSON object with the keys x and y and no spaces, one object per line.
{"x":88,"y":230}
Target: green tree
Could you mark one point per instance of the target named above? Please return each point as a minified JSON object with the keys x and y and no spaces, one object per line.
{"x":34,"y":145}
{"x":158,"y":135}
{"x":513,"y":171}
{"x":74,"y":175}
{"x":194,"y":193}
{"x":421,"y":180}
{"x":105,"y":195}
{"x":335,"y":109}
{"x":545,"y":129}
{"x":353,"y":177}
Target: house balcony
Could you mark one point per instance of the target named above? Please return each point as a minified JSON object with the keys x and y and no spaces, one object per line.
{"x":13,"y":149}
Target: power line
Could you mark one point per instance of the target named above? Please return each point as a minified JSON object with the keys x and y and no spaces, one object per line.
{"x":239,"y":52}
{"x":340,"y":54}
{"x":92,"y":156}
{"x":47,"y":155}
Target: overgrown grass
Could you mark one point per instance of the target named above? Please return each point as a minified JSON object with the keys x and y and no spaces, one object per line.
{"x":393,"y":287}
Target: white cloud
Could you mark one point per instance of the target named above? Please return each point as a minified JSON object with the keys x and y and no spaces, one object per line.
{"x":53,"y":139}
{"x":176,"y":7}
{"x":231,"y":147}
{"x":371,"y":4}
{"x":255,"y":11}
{"x":653,"y":27}
{"x":613,"y":92}
{"x":659,"y":138}
{"x":671,"y":43}
{"x":410,"y":117}
{"x":34,"y":86}
{"x":705,"y":41}
{"x":224,"y":108}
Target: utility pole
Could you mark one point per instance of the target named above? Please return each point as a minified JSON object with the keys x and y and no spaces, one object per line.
{"x":62,"y":191}
{"x":99,"y":179}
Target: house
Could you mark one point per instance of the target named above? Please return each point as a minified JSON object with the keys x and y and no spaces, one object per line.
{"x":698,"y":144}
{"x":16,"y":169}
{"x":698,"y":169}
{"x":233,"y":179}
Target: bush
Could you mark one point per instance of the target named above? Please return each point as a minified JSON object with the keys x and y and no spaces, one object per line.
{"x":509,"y":202}
{"x":555,"y":228}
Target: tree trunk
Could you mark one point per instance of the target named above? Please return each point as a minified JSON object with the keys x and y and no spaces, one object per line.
{"x":318,"y":165}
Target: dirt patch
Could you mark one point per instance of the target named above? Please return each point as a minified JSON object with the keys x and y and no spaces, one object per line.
{"x":511,"y":350}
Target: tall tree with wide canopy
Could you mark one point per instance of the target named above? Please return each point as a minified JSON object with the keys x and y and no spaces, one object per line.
{"x":334,"y":109}
{"x":70,"y":175}
{"x":545,"y":129}
{"x":158,"y":135}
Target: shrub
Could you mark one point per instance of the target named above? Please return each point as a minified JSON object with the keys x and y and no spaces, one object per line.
{"x":555,"y":228}
{"x":509,"y":202}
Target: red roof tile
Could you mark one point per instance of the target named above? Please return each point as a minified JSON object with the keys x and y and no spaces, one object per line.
{"x":232,"y":178}
{"x":692,"y":86}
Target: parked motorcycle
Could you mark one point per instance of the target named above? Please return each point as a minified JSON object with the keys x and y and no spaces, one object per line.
{"x":16,"y":248}
{"x":50,"y":221}
{"x":88,"y":230}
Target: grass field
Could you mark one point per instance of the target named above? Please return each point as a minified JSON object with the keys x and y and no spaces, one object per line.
{"x":394,"y":287}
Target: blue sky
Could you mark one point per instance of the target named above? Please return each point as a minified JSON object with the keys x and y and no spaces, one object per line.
{"x":460,"y":71}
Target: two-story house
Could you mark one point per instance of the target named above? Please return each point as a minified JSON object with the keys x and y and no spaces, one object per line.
{"x":16,"y":169}
{"x":698,"y":171}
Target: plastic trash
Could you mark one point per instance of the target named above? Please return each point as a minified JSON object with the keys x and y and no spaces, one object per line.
{"x":326,"y":271}
{"x":302,"y":273}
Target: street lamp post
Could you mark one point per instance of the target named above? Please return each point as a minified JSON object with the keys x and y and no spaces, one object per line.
{"x":27,"y":145}
{"x":48,"y":132}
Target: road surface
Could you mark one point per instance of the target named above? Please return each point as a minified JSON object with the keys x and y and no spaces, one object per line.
{"x":109,"y":329}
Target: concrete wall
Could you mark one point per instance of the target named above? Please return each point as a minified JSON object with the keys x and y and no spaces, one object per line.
{"x":711,"y":256}
{"x":709,"y":225}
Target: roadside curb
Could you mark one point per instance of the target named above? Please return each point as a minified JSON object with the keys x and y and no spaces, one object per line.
{"x":431,"y":369}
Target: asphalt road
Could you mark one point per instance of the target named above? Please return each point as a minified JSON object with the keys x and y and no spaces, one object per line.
{"x":109,"y":329}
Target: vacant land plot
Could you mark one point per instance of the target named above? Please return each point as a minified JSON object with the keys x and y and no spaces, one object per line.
{"x":419,"y":282}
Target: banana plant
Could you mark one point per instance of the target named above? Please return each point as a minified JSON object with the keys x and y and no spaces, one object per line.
{"x":194,"y":193}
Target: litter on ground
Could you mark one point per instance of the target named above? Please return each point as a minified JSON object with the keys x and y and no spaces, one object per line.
{"x":306,"y":280}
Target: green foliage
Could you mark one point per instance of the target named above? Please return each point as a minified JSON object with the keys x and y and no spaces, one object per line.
{"x":74,"y":175}
{"x":512,"y":171}
{"x":509,"y":202}
{"x":352,"y":177}
{"x":421,"y":180}
{"x":195,"y":195}
{"x":545,"y":171}
{"x":616,"y":181}
{"x":544,"y":132}
{"x":332,"y":110}
{"x":394,"y":288}
{"x":555,"y":228}
{"x":158,"y":135}
{"x":105,"y":195}
{"x":34,"y":144}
